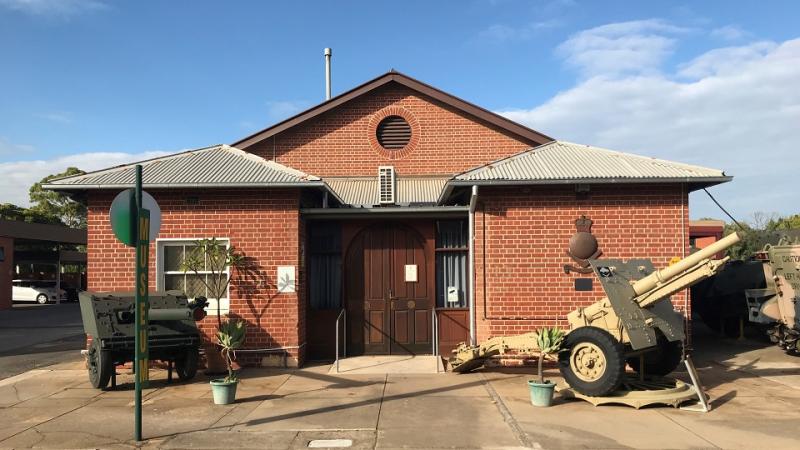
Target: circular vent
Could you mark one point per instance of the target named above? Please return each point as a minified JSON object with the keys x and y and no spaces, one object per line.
{"x":393,"y":133}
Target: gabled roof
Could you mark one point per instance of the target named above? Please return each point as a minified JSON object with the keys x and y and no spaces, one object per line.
{"x":560,"y":162}
{"x":213,"y":167}
{"x":565,"y":161}
{"x":411,"y":191}
{"x":524,"y":133}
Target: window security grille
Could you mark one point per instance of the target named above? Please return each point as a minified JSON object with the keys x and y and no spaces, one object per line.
{"x":386,"y":185}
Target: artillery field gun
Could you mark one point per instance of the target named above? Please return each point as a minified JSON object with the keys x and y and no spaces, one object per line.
{"x":778,"y":305}
{"x":636,"y":323}
{"x":108,"y":318}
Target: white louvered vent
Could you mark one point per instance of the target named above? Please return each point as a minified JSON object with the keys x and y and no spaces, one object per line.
{"x":386,"y":185}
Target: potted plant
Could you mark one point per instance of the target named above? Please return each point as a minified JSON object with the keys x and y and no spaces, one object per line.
{"x":231,"y":336}
{"x":549,"y":342}
{"x":215,"y":260}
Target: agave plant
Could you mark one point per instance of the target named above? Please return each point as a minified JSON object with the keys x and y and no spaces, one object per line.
{"x":231,"y":336}
{"x":549,"y":341}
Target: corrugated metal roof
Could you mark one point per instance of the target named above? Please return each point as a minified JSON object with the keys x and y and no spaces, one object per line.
{"x":363,"y":191}
{"x":565,"y":161}
{"x":219,"y":166}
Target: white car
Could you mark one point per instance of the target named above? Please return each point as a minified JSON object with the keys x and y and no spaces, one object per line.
{"x":35,"y":291}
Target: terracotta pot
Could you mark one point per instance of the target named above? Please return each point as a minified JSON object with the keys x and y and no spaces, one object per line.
{"x":215,"y":363}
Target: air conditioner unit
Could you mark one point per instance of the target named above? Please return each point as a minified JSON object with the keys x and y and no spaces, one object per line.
{"x":386,"y":185}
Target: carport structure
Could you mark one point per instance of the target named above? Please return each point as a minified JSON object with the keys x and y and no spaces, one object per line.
{"x":13,"y":233}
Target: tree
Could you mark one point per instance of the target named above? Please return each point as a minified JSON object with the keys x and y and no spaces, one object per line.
{"x":56,"y":205}
{"x":762,"y":229}
{"x":10,"y":211}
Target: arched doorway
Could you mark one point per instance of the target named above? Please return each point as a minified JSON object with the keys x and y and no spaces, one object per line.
{"x":389,"y":290}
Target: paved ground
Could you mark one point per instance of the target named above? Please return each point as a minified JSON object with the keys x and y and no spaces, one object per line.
{"x":755,"y":392}
{"x":35,"y":336}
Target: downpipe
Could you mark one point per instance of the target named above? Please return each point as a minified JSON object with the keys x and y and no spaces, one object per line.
{"x":473,"y":201}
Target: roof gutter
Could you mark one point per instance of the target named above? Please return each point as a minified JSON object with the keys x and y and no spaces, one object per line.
{"x":705,"y":181}
{"x":96,"y":187}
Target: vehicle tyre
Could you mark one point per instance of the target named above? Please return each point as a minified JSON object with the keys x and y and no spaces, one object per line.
{"x":661,"y":361}
{"x":41,"y":299}
{"x":186,"y":365}
{"x":101,"y":366}
{"x":592,"y":361}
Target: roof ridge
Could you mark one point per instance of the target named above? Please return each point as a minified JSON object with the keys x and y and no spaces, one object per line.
{"x":271,"y":164}
{"x":143,"y":161}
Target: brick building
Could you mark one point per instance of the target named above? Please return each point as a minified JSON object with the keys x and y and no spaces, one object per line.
{"x":409,"y":209}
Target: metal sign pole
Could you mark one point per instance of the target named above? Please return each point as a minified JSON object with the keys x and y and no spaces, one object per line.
{"x":141,"y":363}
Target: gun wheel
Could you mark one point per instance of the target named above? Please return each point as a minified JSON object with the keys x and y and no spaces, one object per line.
{"x":100,"y":365}
{"x":588,"y":361}
{"x":593,"y":361}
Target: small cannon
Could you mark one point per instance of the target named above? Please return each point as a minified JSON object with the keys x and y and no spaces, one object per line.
{"x":108,"y":320}
{"x":635,"y":323}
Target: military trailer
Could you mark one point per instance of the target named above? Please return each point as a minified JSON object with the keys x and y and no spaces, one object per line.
{"x":778,"y":304}
{"x":635,"y":324}
{"x":108,"y":320}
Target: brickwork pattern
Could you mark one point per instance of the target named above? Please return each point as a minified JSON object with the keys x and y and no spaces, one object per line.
{"x":263,"y":224}
{"x":527,"y":233}
{"x":341,"y":142}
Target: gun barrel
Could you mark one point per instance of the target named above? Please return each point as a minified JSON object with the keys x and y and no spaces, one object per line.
{"x":661,"y":276}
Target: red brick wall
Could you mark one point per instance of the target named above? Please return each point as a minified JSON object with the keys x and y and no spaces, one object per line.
{"x":263,"y":224}
{"x":337,"y":143}
{"x":527,"y":235}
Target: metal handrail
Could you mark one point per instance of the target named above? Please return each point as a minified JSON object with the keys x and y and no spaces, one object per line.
{"x":435,"y":338}
{"x":342,"y":315}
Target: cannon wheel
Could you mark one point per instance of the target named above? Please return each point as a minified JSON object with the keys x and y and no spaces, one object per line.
{"x":186,"y":364}
{"x":664,"y":359}
{"x":593,"y":361}
{"x":101,"y":366}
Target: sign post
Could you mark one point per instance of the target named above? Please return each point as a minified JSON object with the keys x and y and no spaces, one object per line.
{"x":141,"y":365}
{"x":135,"y":220}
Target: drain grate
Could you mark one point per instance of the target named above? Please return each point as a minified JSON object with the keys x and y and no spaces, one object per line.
{"x":330,"y":443}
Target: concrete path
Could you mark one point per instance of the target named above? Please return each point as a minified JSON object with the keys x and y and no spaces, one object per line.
{"x":289,"y":409}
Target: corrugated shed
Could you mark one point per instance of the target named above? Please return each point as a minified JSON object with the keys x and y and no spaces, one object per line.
{"x":362,"y":191}
{"x":561,"y":160}
{"x":212,"y":166}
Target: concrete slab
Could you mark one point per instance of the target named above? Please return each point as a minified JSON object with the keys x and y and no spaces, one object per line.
{"x":743,"y":423}
{"x":433,"y":422}
{"x":313,"y":413}
{"x":389,"y":364}
{"x":278,"y":440}
{"x":444,"y":385}
{"x":308,"y":384}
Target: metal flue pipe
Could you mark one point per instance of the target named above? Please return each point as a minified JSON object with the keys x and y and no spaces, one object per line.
{"x":661,"y":276}
{"x":328,"y":55}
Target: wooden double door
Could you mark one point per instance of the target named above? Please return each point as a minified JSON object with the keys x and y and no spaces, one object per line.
{"x":389,"y":289}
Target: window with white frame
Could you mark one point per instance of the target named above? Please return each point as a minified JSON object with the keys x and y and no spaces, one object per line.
{"x":170,"y":254}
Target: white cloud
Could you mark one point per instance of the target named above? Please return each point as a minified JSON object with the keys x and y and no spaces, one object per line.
{"x":16,"y":177}
{"x":60,"y":117}
{"x":506,"y":33}
{"x":638,"y":46}
{"x":726,"y":60}
{"x":729,"y":33}
{"x":740,"y":112}
{"x":10,"y":148}
{"x":54,"y":8}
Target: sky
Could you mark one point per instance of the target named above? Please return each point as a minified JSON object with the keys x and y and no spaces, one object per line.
{"x":97,"y":83}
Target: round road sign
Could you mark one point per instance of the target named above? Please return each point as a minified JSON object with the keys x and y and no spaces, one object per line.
{"x":123,"y":216}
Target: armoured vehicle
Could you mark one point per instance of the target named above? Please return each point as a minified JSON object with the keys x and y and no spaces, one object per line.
{"x":778,"y":304}
{"x":108,"y":320}
{"x":636,"y":323}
